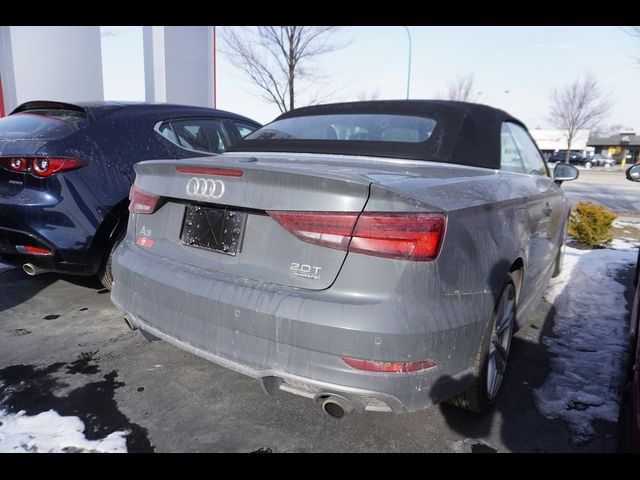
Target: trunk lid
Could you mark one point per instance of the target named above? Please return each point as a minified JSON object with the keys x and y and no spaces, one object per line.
{"x":266,"y":251}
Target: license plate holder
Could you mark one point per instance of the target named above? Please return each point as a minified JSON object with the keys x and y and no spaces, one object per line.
{"x":214,"y":229}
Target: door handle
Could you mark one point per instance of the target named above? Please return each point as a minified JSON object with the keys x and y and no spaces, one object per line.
{"x":547,"y":210}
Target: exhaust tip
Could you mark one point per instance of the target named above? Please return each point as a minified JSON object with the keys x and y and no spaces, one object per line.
{"x":336,"y":407}
{"x":31,"y":269}
{"x":129,"y":323}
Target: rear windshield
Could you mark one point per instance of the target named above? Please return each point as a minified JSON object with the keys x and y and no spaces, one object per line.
{"x":349,"y":127}
{"x":44,"y":124}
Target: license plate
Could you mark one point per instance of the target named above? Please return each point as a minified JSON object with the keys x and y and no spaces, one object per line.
{"x":216,"y":229}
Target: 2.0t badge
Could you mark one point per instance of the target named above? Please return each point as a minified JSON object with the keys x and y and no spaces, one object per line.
{"x":305,"y":271}
{"x":205,"y":188}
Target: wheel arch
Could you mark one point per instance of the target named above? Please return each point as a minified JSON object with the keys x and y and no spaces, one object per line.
{"x":114,"y":220}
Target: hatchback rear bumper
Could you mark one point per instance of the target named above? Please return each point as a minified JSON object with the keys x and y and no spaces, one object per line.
{"x":66,"y":233}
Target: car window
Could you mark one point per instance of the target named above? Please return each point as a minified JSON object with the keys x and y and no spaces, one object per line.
{"x":245,"y":128}
{"x":349,"y":127}
{"x":200,"y":134}
{"x":166,"y":131}
{"x":510,"y":158}
{"x":42,"y":124}
{"x":533,"y":162}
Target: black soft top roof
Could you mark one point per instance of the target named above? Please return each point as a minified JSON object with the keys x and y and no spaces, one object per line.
{"x":465,"y":134}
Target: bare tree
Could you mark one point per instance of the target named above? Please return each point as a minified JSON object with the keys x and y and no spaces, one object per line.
{"x":578,"y":105}
{"x":635,"y":31}
{"x":275,"y":57}
{"x":461,"y":89}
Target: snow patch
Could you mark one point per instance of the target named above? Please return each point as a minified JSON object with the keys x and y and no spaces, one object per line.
{"x":618,"y":223}
{"x":49,"y":432}
{"x":590,"y":346}
{"x":624,"y":244}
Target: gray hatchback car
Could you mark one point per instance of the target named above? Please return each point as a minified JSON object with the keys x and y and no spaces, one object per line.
{"x":371,"y":256}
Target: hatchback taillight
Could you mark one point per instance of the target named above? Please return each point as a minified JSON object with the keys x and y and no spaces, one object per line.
{"x":141,"y":201}
{"x":41,"y":166}
{"x":406,"y":235}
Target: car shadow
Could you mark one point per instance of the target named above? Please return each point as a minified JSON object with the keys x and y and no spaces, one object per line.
{"x":16,"y":287}
{"x":523,"y":428}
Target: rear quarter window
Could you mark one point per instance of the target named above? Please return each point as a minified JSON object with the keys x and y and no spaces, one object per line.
{"x":204,"y":135}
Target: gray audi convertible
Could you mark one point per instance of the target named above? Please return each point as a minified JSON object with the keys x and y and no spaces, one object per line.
{"x":371,"y":256}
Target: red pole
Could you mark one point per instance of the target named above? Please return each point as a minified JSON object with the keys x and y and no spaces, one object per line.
{"x":1,"y":99}
{"x":214,"y":69}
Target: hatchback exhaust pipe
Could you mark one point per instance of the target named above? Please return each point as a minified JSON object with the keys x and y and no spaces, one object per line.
{"x":31,"y":269}
{"x":336,"y":407}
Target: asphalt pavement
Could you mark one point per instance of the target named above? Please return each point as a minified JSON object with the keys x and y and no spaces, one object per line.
{"x":606,"y":186}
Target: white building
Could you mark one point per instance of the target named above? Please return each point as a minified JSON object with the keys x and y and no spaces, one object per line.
{"x":50,"y":63}
{"x":550,"y":141}
{"x":65,"y":64}
{"x":178,"y":65}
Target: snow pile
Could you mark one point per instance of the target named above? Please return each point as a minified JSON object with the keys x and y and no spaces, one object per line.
{"x":51,"y":433}
{"x":624,"y":244}
{"x":589,"y":350}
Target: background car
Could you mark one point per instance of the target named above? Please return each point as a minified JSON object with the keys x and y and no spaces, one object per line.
{"x":371,"y":256}
{"x":598,"y":160}
{"x":66,"y":171}
{"x":576,"y":158}
{"x":629,"y":418}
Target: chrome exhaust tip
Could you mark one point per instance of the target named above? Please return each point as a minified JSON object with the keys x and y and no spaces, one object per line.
{"x":129,"y":323}
{"x":336,"y":407}
{"x":31,"y":269}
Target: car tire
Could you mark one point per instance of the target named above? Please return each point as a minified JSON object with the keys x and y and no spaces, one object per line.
{"x":491,"y":360}
{"x":559,"y":262}
{"x":624,"y":427}
{"x":104,"y":273}
{"x":557,"y":265}
{"x":636,"y":276}
{"x":588,"y":164}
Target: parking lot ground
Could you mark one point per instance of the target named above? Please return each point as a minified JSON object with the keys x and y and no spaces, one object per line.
{"x":606,"y":186}
{"x":63,"y":346}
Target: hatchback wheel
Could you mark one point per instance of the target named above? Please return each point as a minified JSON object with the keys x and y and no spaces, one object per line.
{"x":104,"y":274}
{"x":491,"y":362}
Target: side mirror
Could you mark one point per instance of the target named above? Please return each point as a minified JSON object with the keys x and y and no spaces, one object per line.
{"x":633,"y":173}
{"x":565,"y":172}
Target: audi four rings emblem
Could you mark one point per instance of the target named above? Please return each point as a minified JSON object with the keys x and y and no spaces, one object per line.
{"x":205,"y":188}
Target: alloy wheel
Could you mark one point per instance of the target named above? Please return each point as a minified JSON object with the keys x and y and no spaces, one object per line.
{"x":501,"y":340}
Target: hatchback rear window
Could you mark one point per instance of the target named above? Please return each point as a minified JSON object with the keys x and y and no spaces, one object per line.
{"x":45,"y":124}
{"x":349,"y":127}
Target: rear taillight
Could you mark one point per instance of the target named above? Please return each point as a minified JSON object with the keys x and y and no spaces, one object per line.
{"x":328,"y":229}
{"x":141,"y":201}
{"x":414,"y":236}
{"x":410,"y":236}
{"x":41,"y":166}
{"x":388,"y":367}
{"x":33,"y":250}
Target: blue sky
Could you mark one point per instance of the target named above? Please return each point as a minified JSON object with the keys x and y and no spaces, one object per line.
{"x":528,"y":62}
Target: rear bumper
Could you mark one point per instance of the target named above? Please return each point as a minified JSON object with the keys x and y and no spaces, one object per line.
{"x":49,"y":226}
{"x":292,"y":339}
